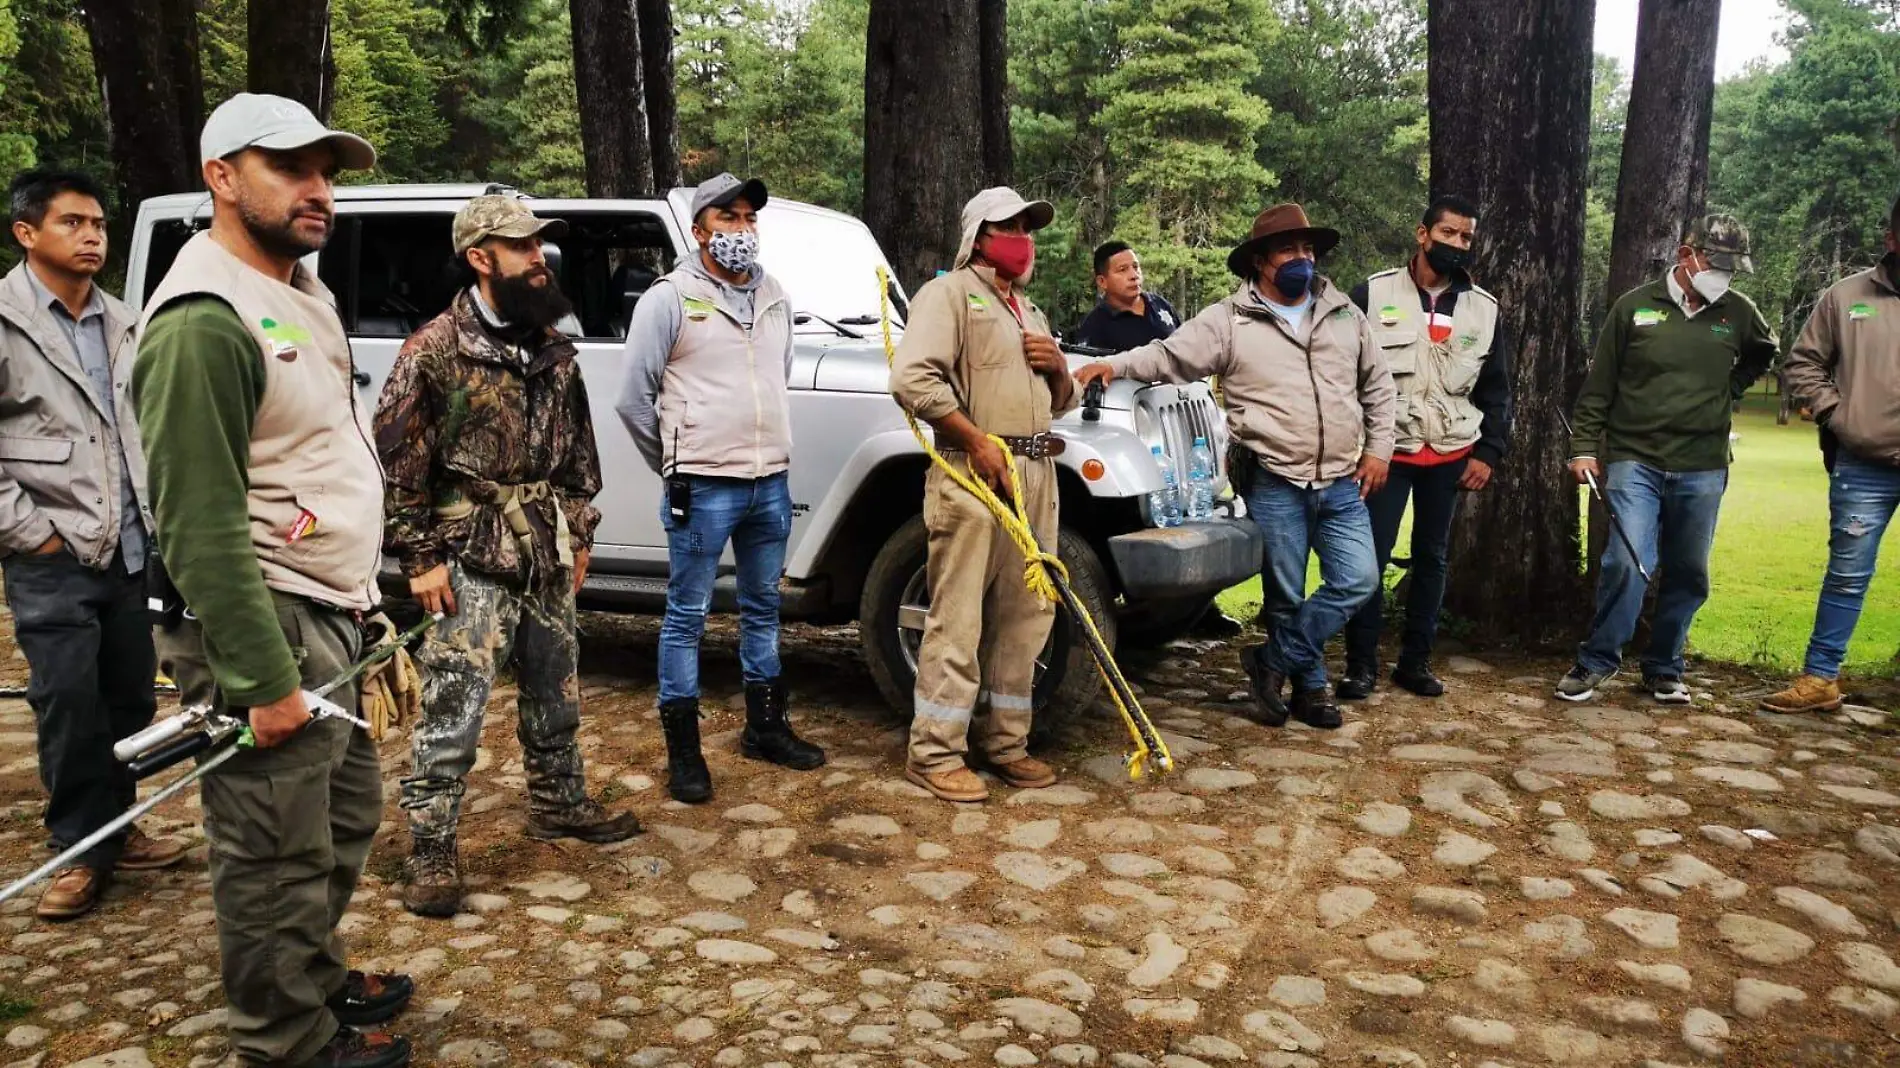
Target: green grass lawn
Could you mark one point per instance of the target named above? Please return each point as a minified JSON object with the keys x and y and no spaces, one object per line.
{"x":1770,"y":553}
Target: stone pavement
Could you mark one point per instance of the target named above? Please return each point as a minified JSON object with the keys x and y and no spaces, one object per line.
{"x":1494,"y":879}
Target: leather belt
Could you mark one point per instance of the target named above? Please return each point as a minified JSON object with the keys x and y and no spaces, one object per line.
{"x":1033,"y":447}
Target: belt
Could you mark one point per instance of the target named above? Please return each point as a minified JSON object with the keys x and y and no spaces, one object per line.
{"x":511,"y":498}
{"x":1033,"y":447}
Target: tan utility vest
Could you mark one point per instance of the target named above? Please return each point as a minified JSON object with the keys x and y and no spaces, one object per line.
{"x":723,"y":398}
{"x":311,"y":447}
{"x":1434,"y":381}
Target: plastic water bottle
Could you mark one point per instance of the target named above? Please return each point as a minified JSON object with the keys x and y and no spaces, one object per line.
{"x":1200,"y":481}
{"x":1165,"y":503}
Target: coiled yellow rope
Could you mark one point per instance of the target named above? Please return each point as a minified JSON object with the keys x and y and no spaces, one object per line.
{"x":1043,"y":573}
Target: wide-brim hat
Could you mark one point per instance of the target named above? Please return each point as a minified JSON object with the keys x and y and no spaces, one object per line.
{"x":1278,"y":221}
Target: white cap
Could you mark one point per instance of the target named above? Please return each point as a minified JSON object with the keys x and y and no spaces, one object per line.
{"x":259,"y":120}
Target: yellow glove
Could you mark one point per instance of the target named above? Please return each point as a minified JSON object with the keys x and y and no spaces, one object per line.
{"x":392,"y":693}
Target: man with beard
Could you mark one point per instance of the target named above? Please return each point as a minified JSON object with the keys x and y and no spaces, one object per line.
{"x":266,"y":493}
{"x":718,"y":328}
{"x":488,"y":448}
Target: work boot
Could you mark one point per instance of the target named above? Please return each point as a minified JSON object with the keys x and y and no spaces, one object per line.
{"x":1315,"y":709}
{"x":141,"y":853}
{"x":350,"y":1048}
{"x":370,"y":999}
{"x":957,"y":784}
{"x":1809,"y":693}
{"x":1026,"y":773}
{"x":435,"y":879}
{"x":72,"y":893}
{"x":1360,"y":679}
{"x":586,"y":820}
{"x":687,"y":777}
{"x":1416,"y":676}
{"x":1267,"y":683}
{"x":768,"y":734}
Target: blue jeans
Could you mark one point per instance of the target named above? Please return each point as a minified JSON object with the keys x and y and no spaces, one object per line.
{"x":756,"y":516}
{"x":1332,"y":522}
{"x":1861,"y":500}
{"x":1670,"y":518}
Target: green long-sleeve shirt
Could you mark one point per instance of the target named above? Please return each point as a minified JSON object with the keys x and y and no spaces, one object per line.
{"x":1662,"y":384}
{"x":198,"y":382}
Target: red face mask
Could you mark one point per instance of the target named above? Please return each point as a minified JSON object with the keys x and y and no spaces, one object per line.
{"x":1011,"y":254}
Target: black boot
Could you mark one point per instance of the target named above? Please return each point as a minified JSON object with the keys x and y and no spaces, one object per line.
{"x":1416,"y":676}
{"x":687,"y":778}
{"x":1268,"y":684}
{"x":768,"y":734}
{"x":1360,"y":679}
{"x":1315,"y":709}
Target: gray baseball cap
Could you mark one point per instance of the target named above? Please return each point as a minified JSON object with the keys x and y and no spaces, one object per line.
{"x":722,"y":189}
{"x":259,"y":120}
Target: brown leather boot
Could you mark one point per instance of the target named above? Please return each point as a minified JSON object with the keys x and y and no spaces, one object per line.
{"x":588,"y":821}
{"x":1809,"y":693}
{"x":435,"y":879}
{"x":73,"y":893}
{"x":142,"y":853}
{"x":957,"y":784}
{"x":350,"y":1048}
{"x":1027,"y":773}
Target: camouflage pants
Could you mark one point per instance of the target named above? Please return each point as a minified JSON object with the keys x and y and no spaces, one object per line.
{"x":493,"y":624}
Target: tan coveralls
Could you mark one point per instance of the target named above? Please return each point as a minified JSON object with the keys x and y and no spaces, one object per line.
{"x":963,"y":350}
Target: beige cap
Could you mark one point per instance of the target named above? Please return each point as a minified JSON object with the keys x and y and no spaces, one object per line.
{"x":260,"y":120}
{"x":500,"y":216}
{"x":999,"y":204}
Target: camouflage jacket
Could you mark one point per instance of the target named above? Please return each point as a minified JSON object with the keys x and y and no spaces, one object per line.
{"x":459,"y":416}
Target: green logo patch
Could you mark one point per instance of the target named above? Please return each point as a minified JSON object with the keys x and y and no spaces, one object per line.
{"x":1467,"y":341}
{"x":1721,"y":329}
{"x":977,"y":303}
{"x":1861,"y":310}
{"x":1649,"y":317}
{"x":1342,"y":313}
{"x":286,"y":333}
{"x":1389,"y":315}
{"x":697,"y":309}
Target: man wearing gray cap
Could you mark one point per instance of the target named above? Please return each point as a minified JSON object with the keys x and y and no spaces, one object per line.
{"x":268,"y":498}
{"x":977,"y":361}
{"x":488,"y":449}
{"x":709,"y":350}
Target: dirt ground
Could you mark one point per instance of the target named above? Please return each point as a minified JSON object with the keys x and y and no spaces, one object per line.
{"x":1491,"y":878}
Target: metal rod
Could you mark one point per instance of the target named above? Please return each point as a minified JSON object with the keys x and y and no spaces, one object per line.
{"x":1609,"y":509}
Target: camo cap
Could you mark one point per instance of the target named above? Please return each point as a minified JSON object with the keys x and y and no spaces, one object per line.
{"x":1724,"y":240}
{"x":500,"y":216}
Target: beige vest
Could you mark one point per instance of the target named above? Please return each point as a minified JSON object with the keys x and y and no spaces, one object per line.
{"x":723,"y":398}
{"x":311,"y":447}
{"x":1434,"y":382}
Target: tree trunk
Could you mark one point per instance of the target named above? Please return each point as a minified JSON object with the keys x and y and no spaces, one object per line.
{"x":609,"y":84}
{"x":656,"y":71}
{"x":154,"y":144}
{"x":288,"y":42}
{"x":1509,"y":86}
{"x":999,"y":155}
{"x":924,"y":129}
{"x":187,"y":73}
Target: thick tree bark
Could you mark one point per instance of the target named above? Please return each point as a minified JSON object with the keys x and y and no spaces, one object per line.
{"x":930,"y":138}
{"x":656,"y":68}
{"x":187,"y":72}
{"x":999,"y":154}
{"x":610,"y":87}
{"x":288,"y":42}
{"x":1509,"y":85}
{"x":154,"y":144}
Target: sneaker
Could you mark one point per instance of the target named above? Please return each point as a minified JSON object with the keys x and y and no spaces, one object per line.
{"x":1666,"y":689}
{"x":957,"y":784}
{"x":1809,"y":693}
{"x":142,"y":853}
{"x":370,"y":999}
{"x":1581,"y":684}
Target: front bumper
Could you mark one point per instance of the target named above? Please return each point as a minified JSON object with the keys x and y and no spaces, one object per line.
{"x":1191,"y":560}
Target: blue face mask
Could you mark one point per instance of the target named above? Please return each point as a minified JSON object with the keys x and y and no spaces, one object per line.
{"x":1294,"y":278}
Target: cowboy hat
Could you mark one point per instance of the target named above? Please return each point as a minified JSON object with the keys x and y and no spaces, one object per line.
{"x":1281,"y":219}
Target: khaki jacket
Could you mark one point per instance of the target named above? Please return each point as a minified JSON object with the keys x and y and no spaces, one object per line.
{"x":1307,"y":404}
{"x":60,"y":465}
{"x":311,"y":447}
{"x":1434,"y":381}
{"x":1846,"y":363}
{"x":963,"y":351}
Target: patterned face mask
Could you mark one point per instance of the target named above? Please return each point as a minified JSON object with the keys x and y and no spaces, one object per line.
{"x":736,"y":251}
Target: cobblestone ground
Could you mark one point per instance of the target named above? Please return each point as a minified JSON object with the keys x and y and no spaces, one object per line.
{"x":1490,"y":879}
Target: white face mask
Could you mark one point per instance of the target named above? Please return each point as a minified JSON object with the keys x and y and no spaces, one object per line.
{"x":1712,"y":283}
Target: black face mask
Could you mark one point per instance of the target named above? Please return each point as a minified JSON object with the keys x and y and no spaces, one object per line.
{"x":1446,"y":259}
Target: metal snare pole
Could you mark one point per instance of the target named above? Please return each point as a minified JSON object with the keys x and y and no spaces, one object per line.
{"x":1608,"y":509}
{"x":239,"y":741}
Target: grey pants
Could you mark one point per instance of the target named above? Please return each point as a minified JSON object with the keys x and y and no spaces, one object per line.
{"x":289,"y":829}
{"x":89,"y":647}
{"x":496,"y":622}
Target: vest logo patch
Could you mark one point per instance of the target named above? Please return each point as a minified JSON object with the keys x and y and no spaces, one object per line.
{"x":1343,"y":313}
{"x":1649,"y":317}
{"x":696,"y":309}
{"x":301,"y":527}
{"x":283,"y":337}
{"x":1861,"y":310}
{"x":977,"y":303}
{"x":1389,"y":315}
{"x":1467,"y":341}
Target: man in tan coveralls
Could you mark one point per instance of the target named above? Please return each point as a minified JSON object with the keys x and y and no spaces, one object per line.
{"x":978,"y":359}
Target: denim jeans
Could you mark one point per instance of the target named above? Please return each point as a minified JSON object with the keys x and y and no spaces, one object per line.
{"x":1670,"y":518}
{"x":1332,"y":522}
{"x":1433,"y":492}
{"x":756,"y":516}
{"x":1861,"y":500}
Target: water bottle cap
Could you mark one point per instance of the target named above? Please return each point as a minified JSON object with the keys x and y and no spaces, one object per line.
{"x":1156,"y":449}
{"x":1200,"y":441}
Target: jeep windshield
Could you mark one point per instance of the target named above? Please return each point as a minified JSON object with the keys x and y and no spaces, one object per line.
{"x":828,"y":265}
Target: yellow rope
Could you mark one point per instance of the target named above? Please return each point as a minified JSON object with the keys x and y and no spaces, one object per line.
{"x":1042,"y":570}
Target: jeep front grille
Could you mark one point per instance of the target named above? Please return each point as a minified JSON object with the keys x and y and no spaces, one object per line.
{"x":1183,"y":418}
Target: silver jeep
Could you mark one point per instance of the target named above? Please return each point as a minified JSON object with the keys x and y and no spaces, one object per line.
{"x":858,"y":545}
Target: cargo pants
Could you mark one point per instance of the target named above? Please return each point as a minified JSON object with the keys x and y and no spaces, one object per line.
{"x":985,"y":629}
{"x":495,"y":622}
{"x":289,"y":829}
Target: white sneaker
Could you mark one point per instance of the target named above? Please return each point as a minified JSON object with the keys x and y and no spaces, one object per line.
{"x":1667,"y":690}
{"x":1581,"y":683}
